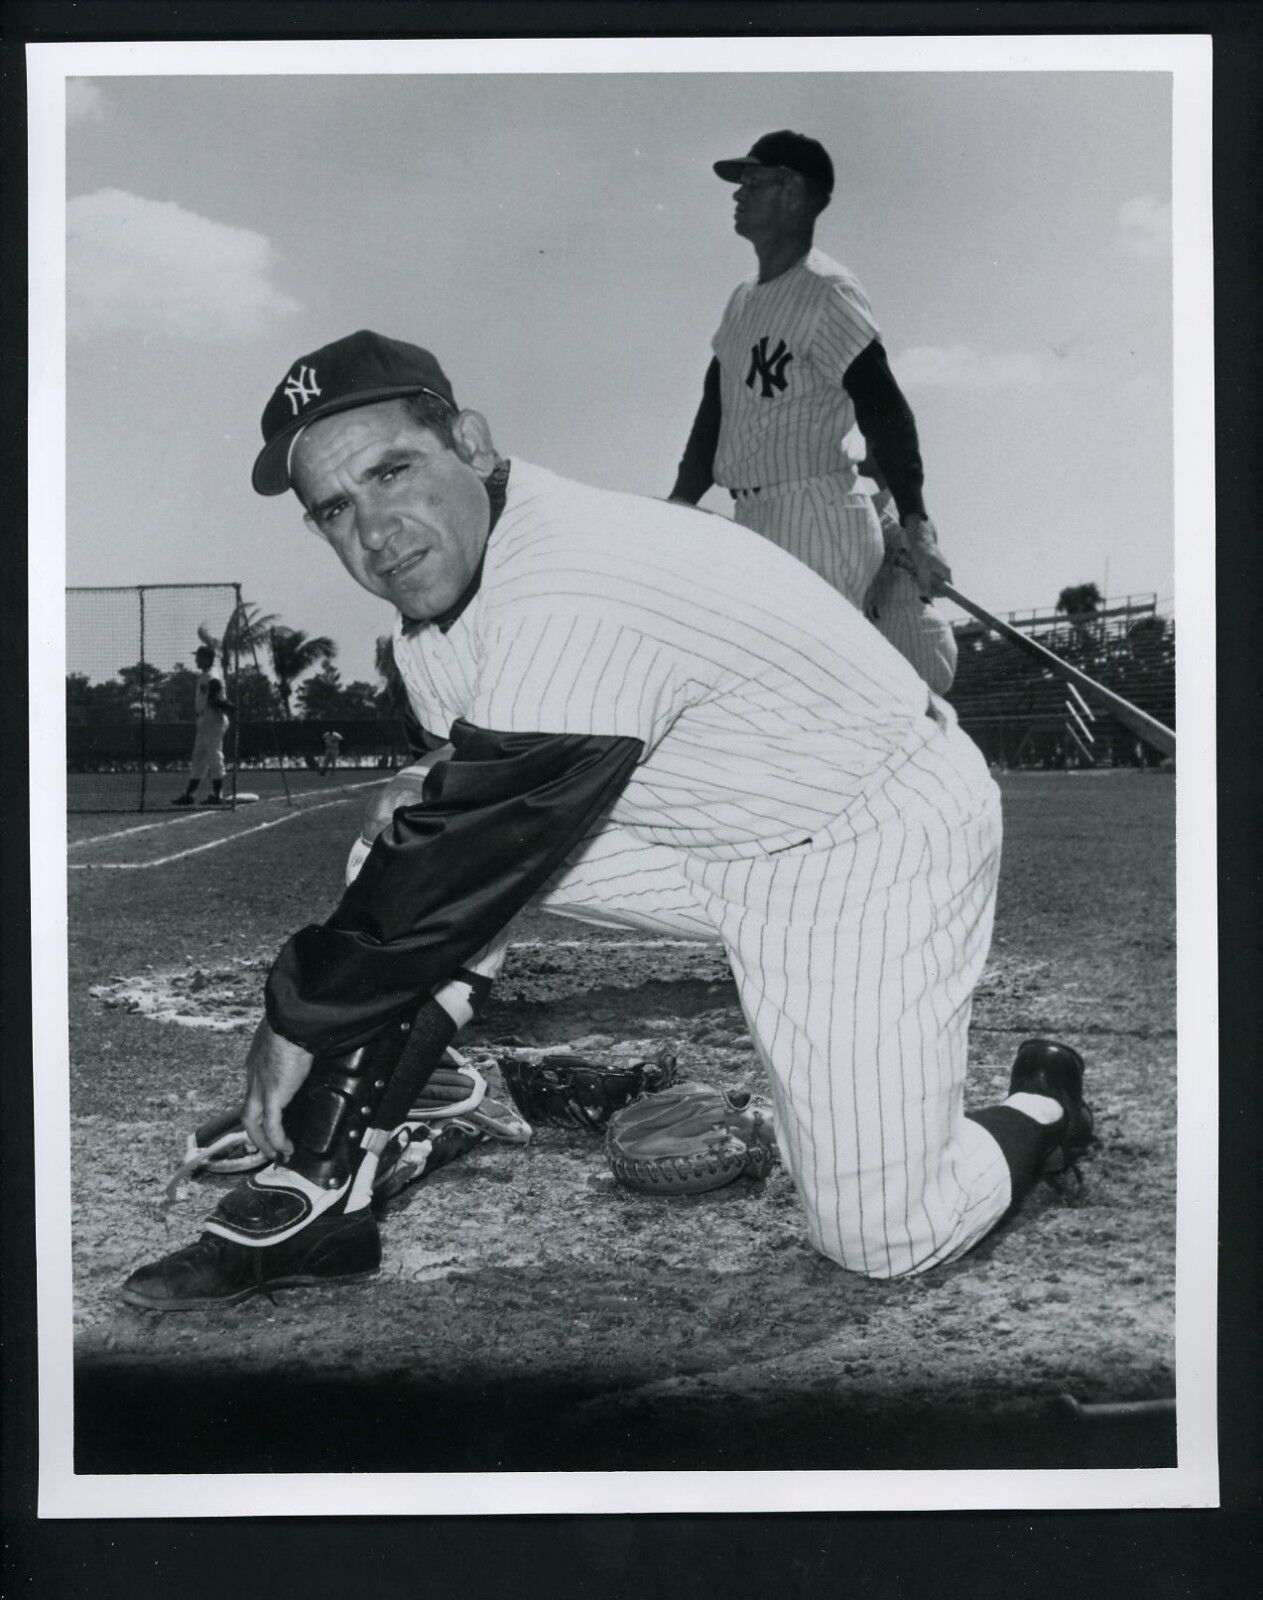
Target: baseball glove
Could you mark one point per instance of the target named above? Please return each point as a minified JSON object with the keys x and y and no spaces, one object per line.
{"x":691,"y":1138}
{"x":566,"y":1091}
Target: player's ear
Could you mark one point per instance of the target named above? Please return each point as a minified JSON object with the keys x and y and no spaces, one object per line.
{"x":797,"y":193}
{"x":471,"y":439}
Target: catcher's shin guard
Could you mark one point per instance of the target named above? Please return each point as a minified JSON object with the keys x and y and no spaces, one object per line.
{"x":341,"y":1122}
{"x":327,"y":1121}
{"x":309,"y":1219}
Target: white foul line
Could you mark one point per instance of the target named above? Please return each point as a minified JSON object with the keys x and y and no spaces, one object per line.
{"x":214,"y":844}
{"x":203,"y":812}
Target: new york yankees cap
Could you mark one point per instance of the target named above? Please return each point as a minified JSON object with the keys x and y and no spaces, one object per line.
{"x":782,"y":149}
{"x":359,"y":370}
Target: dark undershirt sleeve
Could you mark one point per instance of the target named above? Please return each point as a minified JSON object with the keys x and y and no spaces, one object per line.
{"x":696,"y":472}
{"x":495,"y":822}
{"x":889,"y":428}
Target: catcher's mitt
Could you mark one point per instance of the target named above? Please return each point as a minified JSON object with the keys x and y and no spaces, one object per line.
{"x":568,"y":1091}
{"x":691,"y":1138}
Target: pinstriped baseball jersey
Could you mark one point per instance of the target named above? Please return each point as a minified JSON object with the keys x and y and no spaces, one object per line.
{"x":802,"y":798}
{"x":782,"y":348}
{"x":592,"y":617}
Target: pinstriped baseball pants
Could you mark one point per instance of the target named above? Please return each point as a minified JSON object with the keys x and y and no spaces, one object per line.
{"x":827,"y":524}
{"x":855,"y":960}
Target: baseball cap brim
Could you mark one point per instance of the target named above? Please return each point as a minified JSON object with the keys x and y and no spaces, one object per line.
{"x":271,"y":467}
{"x":734,"y":170}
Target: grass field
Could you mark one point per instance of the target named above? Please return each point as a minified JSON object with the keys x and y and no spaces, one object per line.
{"x":531,"y":1314}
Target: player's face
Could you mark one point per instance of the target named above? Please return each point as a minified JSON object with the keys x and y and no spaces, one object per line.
{"x":407,"y":514}
{"x":760,"y":205}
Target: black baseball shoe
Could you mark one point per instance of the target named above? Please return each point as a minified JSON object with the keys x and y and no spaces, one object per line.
{"x":215,"y":1271}
{"x":183,"y":800}
{"x":1042,"y":1066}
{"x":213,"y":800}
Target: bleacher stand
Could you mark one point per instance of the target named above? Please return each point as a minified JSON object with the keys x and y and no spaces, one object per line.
{"x":1020,"y":713}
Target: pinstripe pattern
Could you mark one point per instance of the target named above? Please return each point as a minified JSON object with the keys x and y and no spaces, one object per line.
{"x":818,"y":312}
{"x":783,"y":347}
{"x":894,"y":606}
{"x":826,"y":525}
{"x":795,"y":801}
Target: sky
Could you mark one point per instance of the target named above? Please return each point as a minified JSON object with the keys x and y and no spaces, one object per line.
{"x":562,"y":245}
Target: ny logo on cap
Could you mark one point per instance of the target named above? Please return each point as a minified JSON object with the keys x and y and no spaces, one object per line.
{"x":770,"y":370}
{"x":300,"y":387}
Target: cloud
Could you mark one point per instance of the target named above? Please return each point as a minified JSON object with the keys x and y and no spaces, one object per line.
{"x":85,"y":100}
{"x":150,"y":266}
{"x":1144,"y":227}
{"x":928,"y":366}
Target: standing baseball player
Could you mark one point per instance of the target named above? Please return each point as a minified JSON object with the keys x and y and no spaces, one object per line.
{"x":332,"y":749}
{"x":798,"y":361}
{"x":212,"y":711}
{"x":738,"y":757}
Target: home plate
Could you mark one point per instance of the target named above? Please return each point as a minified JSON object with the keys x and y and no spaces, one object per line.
{"x":244,"y":798}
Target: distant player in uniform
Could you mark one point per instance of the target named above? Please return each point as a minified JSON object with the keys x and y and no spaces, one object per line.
{"x":645,"y":718}
{"x":332,"y":749}
{"x":212,"y":711}
{"x":798,"y":361}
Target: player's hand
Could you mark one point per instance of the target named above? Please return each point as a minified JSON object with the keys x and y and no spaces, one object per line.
{"x":921,"y":556}
{"x":275,"y":1071}
{"x":406,"y":788}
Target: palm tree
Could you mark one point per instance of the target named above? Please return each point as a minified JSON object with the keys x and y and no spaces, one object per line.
{"x":1078,"y":600}
{"x":292,"y":653}
{"x":247,"y":629}
{"x":392,"y":697}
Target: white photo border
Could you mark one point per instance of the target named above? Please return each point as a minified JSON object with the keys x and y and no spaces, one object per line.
{"x":1194,"y":1482}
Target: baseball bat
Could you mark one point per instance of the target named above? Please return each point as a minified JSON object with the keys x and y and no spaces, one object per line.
{"x":1140,"y":722}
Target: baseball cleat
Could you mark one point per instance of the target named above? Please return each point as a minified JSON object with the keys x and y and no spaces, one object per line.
{"x":1042,"y":1066}
{"x":183,"y":800}
{"x":214,"y":1271}
{"x":213,"y":800}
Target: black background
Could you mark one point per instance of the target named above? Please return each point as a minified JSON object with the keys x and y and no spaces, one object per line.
{"x":957,"y":1556}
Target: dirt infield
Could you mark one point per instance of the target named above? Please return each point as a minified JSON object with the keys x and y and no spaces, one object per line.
{"x":530,"y":1313}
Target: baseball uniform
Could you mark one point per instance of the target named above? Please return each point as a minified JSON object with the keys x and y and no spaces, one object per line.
{"x":207,"y":760}
{"x":746,"y":761}
{"x":782,"y":349}
{"x":894,"y":606}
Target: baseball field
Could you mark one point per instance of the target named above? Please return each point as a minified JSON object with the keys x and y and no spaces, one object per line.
{"x":530,"y":1314}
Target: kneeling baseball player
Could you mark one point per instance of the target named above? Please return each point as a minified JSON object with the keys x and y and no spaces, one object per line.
{"x":743,"y":759}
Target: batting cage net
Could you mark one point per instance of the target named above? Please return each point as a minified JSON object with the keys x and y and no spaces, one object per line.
{"x":131,"y":680}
